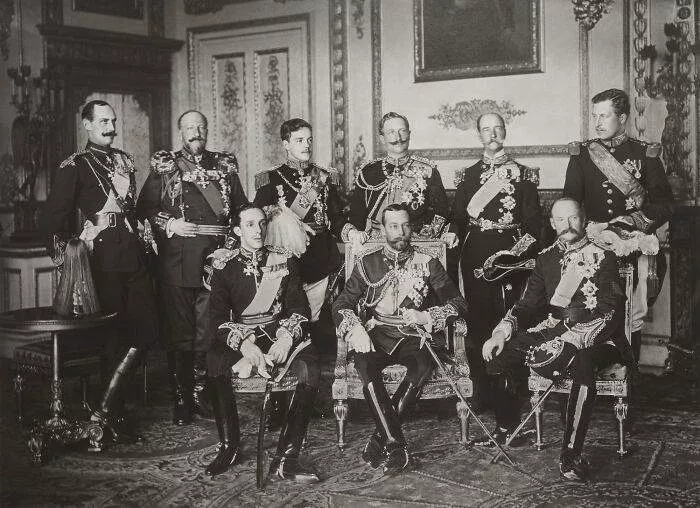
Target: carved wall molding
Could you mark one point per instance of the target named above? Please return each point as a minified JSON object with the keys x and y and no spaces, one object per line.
{"x":156,"y":18}
{"x":359,"y":159}
{"x":52,"y":12}
{"x":463,"y":115}
{"x":584,"y":80}
{"x":589,"y":12}
{"x":358,"y":17}
{"x":476,"y":153}
{"x":75,"y":44}
{"x":339,"y":97}
{"x":7,"y":13}
{"x":639,"y":65}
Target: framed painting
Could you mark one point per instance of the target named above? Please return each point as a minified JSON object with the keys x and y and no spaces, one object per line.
{"x":455,"y":39}
{"x":123,"y":8}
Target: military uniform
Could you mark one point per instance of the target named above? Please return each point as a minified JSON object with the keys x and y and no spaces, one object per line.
{"x":496,"y":203}
{"x":383,"y":283}
{"x":411,"y":180}
{"x":309,"y":191}
{"x":203,"y":190}
{"x":624,"y":177}
{"x":574,"y":293}
{"x":260,"y":293}
{"x":100,"y":182}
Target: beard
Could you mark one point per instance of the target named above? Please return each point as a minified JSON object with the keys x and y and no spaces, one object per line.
{"x":400,"y":243}
{"x":195,"y":146}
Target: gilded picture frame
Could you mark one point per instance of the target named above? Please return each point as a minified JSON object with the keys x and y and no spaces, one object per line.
{"x":457,"y":39}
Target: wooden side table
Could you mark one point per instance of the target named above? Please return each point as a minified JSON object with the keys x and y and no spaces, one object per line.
{"x":57,"y":429}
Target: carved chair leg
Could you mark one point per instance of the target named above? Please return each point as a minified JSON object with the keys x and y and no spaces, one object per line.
{"x":463,"y":415}
{"x":18,"y":385}
{"x":538,"y":419}
{"x":621,"y":414}
{"x":340,"y":408}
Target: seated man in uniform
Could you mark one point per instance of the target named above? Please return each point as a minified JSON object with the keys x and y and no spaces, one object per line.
{"x":577,"y":285}
{"x":399,"y":289}
{"x":258,"y":313}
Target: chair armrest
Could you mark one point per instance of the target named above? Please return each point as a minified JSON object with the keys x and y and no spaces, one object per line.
{"x":459,"y":337}
{"x":341,"y":359}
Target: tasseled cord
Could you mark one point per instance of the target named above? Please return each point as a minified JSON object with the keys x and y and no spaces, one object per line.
{"x":286,"y":230}
{"x":76,"y":295}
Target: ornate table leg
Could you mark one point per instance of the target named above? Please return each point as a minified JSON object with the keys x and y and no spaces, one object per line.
{"x":58,"y":429}
{"x":340,"y":408}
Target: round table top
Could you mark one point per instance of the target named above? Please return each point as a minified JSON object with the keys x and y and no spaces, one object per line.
{"x":44,"y":319}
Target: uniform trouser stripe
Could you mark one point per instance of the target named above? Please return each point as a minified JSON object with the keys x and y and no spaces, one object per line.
{"x":580,"y":401}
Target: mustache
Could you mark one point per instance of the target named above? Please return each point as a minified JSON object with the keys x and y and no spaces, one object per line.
{"x":398,"y":141}
{"x":568,"y":230}
{"x":111,"y":134}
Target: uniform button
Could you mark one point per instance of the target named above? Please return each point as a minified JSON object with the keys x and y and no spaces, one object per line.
{"x":609,"y":211}
{"x":609,"y":201}
{"x":605,"y":184}
{"x":609,"y":191}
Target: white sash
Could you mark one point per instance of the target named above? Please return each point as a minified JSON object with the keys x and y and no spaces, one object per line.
{"x":417,"y":268}
{"x":485,"y":194}
{"x":269,"y":285}
{"x":569,"y":283}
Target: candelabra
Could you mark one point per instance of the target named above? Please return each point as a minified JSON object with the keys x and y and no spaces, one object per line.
{"x":674,"y":81}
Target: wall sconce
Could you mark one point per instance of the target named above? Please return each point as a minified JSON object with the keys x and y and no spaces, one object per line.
{"x":674,"y":78}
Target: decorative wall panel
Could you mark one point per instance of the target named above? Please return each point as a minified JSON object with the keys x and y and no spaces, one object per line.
{"x":229,"y":120}
{"x":272,"y":101}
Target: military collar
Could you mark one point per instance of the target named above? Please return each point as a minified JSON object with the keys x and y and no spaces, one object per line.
{"x":98,"y":149}
{"x":615,"y":141}
{"x":397,"y":162}
{"x":499,"y":158}
{"x":257,"y":255}
{"x":300,"y":166}
{"x":195,"y":159}
{"x":395,"y":256}
{"x":568,"y":247}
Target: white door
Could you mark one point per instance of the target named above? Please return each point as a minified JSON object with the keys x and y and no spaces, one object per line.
{"x":247,"y":81}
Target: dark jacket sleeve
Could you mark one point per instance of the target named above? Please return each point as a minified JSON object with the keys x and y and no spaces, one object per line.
{"x":346,"y":305}
{"x":659,"y":203}
{"x":296,"y":306}
{"x":221,"y":357}
{"x":531,"y":211}
{"x":58,"y":214}
{"x":437,"y":195}
{"x":148,"y":204}
{"x":459,"y":212}
{"x":264,"y":196}
{"x":237,"y":196}
{"x":533,"y":300}
{"x":334,"y":209}
{"x":449,"y":298}
{"x":358,"y":208}
{"x":573,"y":183}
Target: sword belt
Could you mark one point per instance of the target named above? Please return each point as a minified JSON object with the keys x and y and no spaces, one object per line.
{"x":211,"y":230}
{"x":259,"y":319}
{"x":571,"y":315}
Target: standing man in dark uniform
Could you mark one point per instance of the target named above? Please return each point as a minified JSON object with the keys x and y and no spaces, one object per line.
{"x":310,"y":192}
{"x":496,"y":206}
{"x":399,"y":177}
{"x":259,"y":315}
{"x":396,"y":287}
{"x":576,"y":288}
{"x":188,"y":197}
{"x":100,"y":181}
{"x":622,"y":183}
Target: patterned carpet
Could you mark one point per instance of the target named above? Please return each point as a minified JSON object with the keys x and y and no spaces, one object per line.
{"x":662,"y":470}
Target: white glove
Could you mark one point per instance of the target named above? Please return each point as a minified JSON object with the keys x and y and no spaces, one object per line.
{"x":359,"y":340}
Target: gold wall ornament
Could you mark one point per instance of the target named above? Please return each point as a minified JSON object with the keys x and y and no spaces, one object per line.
{"x":589,"y":12}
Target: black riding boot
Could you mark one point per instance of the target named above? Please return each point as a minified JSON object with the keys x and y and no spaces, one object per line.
{"x":396,"y":457}
{"x":226,"y":416}
{"x":105,"y":415}
{"x":578,"y":414}
{"x":286,"y":464}
{"x":200,"y":393}
{"x":180,"y":373}
{"x":403,"y":398}
{"x":278,"y":410}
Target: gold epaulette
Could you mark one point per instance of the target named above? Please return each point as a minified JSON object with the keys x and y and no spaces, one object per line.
{"x":433,"y":253}
{"x":459,"y":176}
{"x":70,"y":160}
{"x":428,"y":165}
{"x":332,"y":173}
{"x":125,"y":154}
{"x":222,"y":256}
{"x":163,"y":161}
{"x":280,"y":250}
{"x":371,"y":251}
{"x":574,"y":148}
{"x":359,"y":172}
{"x":531,"y":174}
{"x":227,"y":162}
{"x":546,"y":249}
{"x":263,"y":177}
{"x":653,"y":150}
